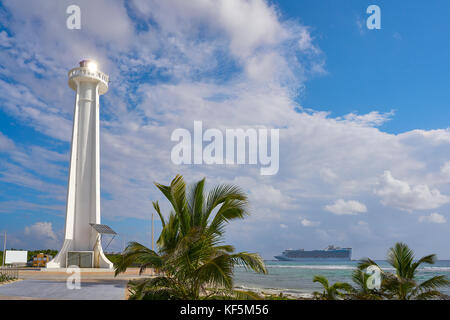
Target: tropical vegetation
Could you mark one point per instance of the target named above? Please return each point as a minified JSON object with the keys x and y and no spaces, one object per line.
{"x":402,"y":284}
{"x":7,"y":274}
{"x":330,"y":292}
{"x":191,"y":259}
{"x":5,"y":277}
{"x":33,"y":253}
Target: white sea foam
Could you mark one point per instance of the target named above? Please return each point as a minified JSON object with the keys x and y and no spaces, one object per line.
{"x":322,"y":267}
{"x":347,"y":267}
{"x":298,"y":277}
{"x":276,"y":291}
{"x":435,"y":269}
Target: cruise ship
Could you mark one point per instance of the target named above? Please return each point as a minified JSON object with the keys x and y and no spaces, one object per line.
{"x":330,"y":253}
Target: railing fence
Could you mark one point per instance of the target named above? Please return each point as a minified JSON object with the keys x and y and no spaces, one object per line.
{"x":9,"y":273}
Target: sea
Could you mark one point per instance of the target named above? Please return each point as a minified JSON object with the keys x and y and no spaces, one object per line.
{"x":294,"y":278}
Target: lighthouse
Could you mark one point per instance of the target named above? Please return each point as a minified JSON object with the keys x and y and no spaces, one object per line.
{"x":82,"y":235}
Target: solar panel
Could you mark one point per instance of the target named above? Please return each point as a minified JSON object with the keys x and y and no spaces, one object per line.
{"x":102,"y":228}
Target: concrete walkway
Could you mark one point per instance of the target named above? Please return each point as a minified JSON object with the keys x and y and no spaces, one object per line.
{"x":57,"y":289}
{"x":51,"y":284}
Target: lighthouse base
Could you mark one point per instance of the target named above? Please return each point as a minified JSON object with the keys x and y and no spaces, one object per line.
{"x":68,"y":257}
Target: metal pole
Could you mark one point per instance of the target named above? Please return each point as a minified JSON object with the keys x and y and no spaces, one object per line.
{"x":4,"y":251}
{"x":153,"y":247}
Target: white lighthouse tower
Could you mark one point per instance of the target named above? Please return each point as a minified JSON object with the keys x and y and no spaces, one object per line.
{"x":82,"y":243}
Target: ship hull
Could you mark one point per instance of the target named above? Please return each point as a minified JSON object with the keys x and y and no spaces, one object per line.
{"x":282,"y":258}
{"x":331,"y":253}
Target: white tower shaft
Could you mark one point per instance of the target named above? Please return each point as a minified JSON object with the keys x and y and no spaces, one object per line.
{"x":83,"y":194}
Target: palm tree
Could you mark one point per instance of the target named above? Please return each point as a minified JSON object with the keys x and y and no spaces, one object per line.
{"x":192,"y":260}
{"x":361,"y":291}
{"x":403,"y":284}
{"x":330,"y":292}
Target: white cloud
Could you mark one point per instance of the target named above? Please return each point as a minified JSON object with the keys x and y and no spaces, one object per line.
{"x":230,"y":64}
{"x":265,"y":195}
{"x":24,"y":206}
{"x":371,"y":119}
{"x":361,"y":25}
{"x":41,"y":234}
{"x":362,"y":230}
{"x":399,"y":194}
{"x":6,"y":144}
{"x":309,"y":223}
{"x":433,"y":218}
{"x":445,"y":169}
{"x":342,"y":207}
{"x":41,"y":230}
{"x":247,"y":24}
{"x":5,"y":40}
{"x":432,"y":137}
{"x":328,"y":175}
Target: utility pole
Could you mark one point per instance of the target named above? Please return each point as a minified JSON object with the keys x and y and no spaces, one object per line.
{"x":4,"y":251}
{"x":153,"y":246}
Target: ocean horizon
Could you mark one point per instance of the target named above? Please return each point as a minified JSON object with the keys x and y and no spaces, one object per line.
{"x":295,"y":278}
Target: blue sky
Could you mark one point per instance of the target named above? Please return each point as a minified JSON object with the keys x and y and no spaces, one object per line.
{"x":364,"y":149}
{"x":404,"y":66}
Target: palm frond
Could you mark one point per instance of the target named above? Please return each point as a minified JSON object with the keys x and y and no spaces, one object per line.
{"x":360,"y":278}
{"x":195,"y":202}
{"x":137,"y":253}
{"x":365,"y":263}
{"x":429,"y":295}
{"x":401,"y":258}
{"x":434,"y":283}
{"x":229,"y":210}
{"x":429,"y":259}
{"x":343,"y":286}
{"x":217,"y":271}
{"x":219,"y":195}
{"x":158,"y":210}
{"x":176,"y":194}
{"x":250,"y":261}
{"x":322,"y":280}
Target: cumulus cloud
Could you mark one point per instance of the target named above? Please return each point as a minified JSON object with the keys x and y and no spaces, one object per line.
{"x":42,"y":233}
{"x":41,"y":230}
{"x":445,"y":169}
{"x":371,"y":119}
{"x":309,"y":223}
{"x":342,"y":207}
{"x":328,"y":175}
{"x":266,"y":195}
{"x":433,"y":218}
{"x":230,"y":64}
{"x":400,"y":194}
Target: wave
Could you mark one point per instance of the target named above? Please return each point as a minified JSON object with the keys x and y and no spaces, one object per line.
{"x":433,"y":269}
{"x":276,"y":291}
{"x":347,"y":267}
{"x":326,"y":267}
